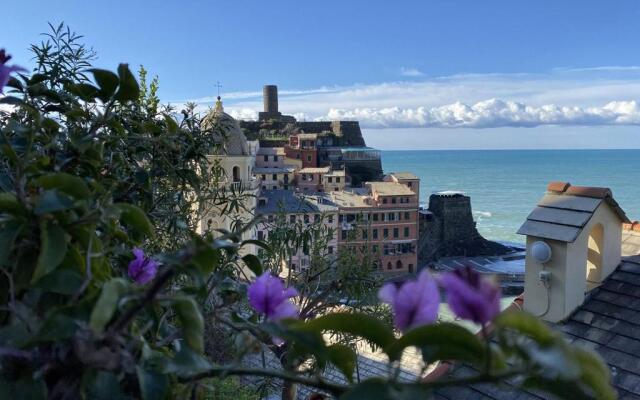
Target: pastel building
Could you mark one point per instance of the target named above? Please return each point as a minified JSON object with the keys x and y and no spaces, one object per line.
{"x":381,"y":219}
{"x":274,"y":169}
{"x":302,"y":146}
{"x":297,"y":208}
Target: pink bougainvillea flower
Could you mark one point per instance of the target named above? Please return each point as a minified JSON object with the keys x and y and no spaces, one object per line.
{"x":415,"y":303}
{"x":142,"y":269}
{"x":268,"y":296}
{"x":6,"y":70}
{"x":471,"y":296}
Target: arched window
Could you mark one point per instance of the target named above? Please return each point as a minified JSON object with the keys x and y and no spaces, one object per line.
{"x":389,"y":266}
{"x":399,"y":264}
{"x":236,"y":174}
{"x":594,"y":254}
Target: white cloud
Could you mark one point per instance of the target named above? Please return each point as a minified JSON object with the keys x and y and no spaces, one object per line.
{"x":491,"y":113}
{"x":410,"y":71}
{"x":598,"y":96}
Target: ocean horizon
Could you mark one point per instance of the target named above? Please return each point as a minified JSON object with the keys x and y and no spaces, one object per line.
{"x":505,"y":185}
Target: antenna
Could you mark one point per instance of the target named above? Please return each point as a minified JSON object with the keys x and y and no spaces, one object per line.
{"x":218,"y":86}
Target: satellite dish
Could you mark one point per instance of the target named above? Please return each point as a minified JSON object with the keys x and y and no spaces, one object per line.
{"x":541,"y":252}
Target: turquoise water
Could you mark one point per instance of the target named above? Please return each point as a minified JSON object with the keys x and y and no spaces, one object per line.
{"x":505,"y":185}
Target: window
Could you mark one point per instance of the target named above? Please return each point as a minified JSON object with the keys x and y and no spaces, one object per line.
{"x":337,"y":179}
{"x":385,"y":233}
{"x":330,"y":219}
{"x":297,"y":156}
{"x":365,"y":234}
{"x":264,"y":177}
{"x":396,"y":232}
{"x":264,"y":187}
{"x":384,"y":200}
{"x":374,"y":249}
{"x":275,"y":158}
{"x":292,"y":219}
{"x":260,"y":235}
{"x":274,"y":187}
{"x":399,"y":264}
{"x":262,"y":202}
{"x":375,"y":233}
{"x":393,"y":200}
{"x":266,"y":158}
{"x":236,"y":174}
{"x":406,"y":232}
{"x":274,"y":177}
{"x":316,"y":218}
{"x":375,"y":216}
{"x":270,"y":217}
{"x":306,"y":218}
{"x":410,"y":184}
{"x":407,"y":215}
{"x":389,"y":265}
{"x":330,"y":179}
{"x":330,"y":249}
{"x":344,"y":234}
{"x":304,"y":177}
{"x":293,"y":266}
{"x":309,"y":157}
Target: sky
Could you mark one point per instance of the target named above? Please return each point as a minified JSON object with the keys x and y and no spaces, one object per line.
{"x":424,"y":74}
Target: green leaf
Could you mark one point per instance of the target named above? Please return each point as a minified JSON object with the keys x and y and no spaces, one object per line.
{"x":55,"y":328}
{"x":85,"y":91}
{"x":192,"y":323}
{"x":52,"y":201}
{"x":595,"y":374}
{"x":258,"y":243}
{"x":23,"y":389}
{"x":107,"y":303}
{"x":135,"y":218}
{"x":344,"y":358}
{"x":172,"y":125}
{"x":380,"y":389}
{"x":441,"y":341}
{"x":357,"y":324}
{"x":101,"y":385}
{"x":53,"y":247}
{"x":9,"y":203}
{"x":8,"y":235}
{"x":108,"y":82}
{"x":186,"y":362}
{"x":153,"y":385}
{"x":65,"y":183}
{"x":253,"y":263}
{"x":128,"y":89}
{"x":62,"y":281}
{"x":528,"y":325}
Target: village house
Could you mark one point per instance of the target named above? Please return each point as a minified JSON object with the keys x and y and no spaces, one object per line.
{"x":297,"y":208}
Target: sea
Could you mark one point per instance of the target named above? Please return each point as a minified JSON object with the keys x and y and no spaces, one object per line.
{"x":505,"y":185}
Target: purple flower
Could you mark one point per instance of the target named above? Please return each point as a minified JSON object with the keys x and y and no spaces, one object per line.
{"x":142,"y":269}
{"x":6,"y":70}
{"x":268,"y":296}
{"x":415,"y":303}
{"x":471,"y":296}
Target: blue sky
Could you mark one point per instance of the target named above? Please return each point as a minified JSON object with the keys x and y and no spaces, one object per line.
{"x":425,"y":74}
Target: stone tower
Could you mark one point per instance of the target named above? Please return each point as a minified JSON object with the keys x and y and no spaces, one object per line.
{"x":270,"y":100}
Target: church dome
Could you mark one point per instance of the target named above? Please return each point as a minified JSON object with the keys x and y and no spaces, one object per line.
{"x":227,"y":132}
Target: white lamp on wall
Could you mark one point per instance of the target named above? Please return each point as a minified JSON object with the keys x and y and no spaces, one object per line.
{"x":541,"y":252}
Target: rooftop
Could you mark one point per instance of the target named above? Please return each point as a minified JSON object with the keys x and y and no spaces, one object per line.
{"x":404,"y":175}
{"x":263,"y":151}
{"x":274,"y":170}
{"x":356,"y":197}
{"x":390,"y":189}
{"x":293,"y":203}
{"x":565,"y":210}
{"x":310,"y":170}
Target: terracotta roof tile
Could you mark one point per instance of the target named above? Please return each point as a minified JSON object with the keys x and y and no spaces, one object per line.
{"x":558,"y":187}
{"x":589,"y":191}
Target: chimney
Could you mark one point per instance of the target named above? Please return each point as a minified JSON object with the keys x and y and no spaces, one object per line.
{"x":270,"y":99}
{"x":573,"y":239}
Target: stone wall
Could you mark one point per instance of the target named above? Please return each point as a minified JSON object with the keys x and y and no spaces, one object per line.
{"x":448,"y":230}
